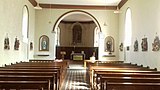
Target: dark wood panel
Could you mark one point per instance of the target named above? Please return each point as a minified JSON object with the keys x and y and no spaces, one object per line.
{"x":33,"y":2}
{"x":60,"y":6}
{"x":87,"y":50}
{"x":122,"y":3}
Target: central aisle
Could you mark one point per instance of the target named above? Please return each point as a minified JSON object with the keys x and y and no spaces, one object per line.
{"x":75,"y":77}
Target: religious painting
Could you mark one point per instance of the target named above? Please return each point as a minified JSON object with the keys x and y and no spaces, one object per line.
{"x":144,"y":44}
{"x":121,"y":47}
{"x":31,"y":45}
{"x":156,"y":44}
{"x":16,"y":44}
{"x":109,"y":44}
{"x":6,"y":43}
{"x":77,"y":34}
{"x":136,"y":45}
{"x":44,"y":43}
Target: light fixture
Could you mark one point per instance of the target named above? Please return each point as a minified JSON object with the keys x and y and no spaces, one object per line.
{"x":37,"y":6}
{"x":50,"y":7}
{"x":117,"y":10}
{"x":105,"y":24}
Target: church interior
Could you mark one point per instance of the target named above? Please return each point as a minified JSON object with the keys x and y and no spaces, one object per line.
{"x":80,"y":45}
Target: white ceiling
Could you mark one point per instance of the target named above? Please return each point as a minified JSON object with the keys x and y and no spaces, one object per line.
{"x":81,"y":2}
{"x":80,"y":16}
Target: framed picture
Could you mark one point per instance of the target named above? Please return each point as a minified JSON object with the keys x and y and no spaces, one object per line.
{"x":44,"y":43}
{"x":109,"y":44}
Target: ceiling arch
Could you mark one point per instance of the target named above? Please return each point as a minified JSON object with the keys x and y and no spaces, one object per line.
{"x":77,"y":12}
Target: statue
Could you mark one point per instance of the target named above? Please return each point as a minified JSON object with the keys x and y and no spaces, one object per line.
{"x":16,"y":44}
{"x":44,"y":44}
{"x":109,"y":46}
{"x":31,"y":46}
{"x":6,"y":43}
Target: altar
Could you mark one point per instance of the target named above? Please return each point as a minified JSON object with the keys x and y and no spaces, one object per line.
{"x":77,"y":56}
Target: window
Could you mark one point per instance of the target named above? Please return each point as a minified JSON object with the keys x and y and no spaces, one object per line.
{"x":128,"y":28}
{"x":25,"y":23}
{"x":96,"y":37}
{"x":57,"y":36}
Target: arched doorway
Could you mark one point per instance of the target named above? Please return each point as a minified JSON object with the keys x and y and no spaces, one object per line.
{"x":76,"y":29}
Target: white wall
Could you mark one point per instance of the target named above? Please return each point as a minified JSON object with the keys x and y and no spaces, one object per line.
{"x":145,"y":22}
{"x":44,"y":28}
{"x":11,"y":23}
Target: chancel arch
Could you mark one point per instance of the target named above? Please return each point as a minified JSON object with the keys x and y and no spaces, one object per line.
{"x":77,"y":30}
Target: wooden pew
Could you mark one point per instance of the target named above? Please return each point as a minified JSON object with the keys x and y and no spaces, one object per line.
{"x":113,"y":68}
{"x":131,"y":86}
{"x":108,"y":74}
{"x":54,"y":72}
{"x":106,"y":80}
{"x":34,"y":76}
{"x":89,"y":62}
{"x":43,"y":64}
{"x":34,"y":71}
{"x":97,"y":78}
{"x":40,"y":85}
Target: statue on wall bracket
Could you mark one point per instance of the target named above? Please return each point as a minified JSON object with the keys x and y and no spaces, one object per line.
{"x":109,"y":44}
{"x":136,"y":45}
{"x":16,"y":44}
{"x":121,"y":47}
{"x":144,"y":44}
{"x":156,"y":44}
{"x":31,"y":45}
{"x":6,"y":43}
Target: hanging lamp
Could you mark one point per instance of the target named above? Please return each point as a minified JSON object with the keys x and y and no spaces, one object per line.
{"x":117,"y":10}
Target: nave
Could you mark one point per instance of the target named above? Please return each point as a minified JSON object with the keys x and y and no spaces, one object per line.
{"x":76,"y":78}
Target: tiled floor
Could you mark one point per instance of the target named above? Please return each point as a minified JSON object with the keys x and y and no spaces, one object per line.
{"x":75,"y":78}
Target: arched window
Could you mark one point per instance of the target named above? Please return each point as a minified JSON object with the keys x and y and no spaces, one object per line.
{"x":25,"y":23}
{"x":57,"y":36}
{"x":96,"y":37}
{"x":128,"y":28}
